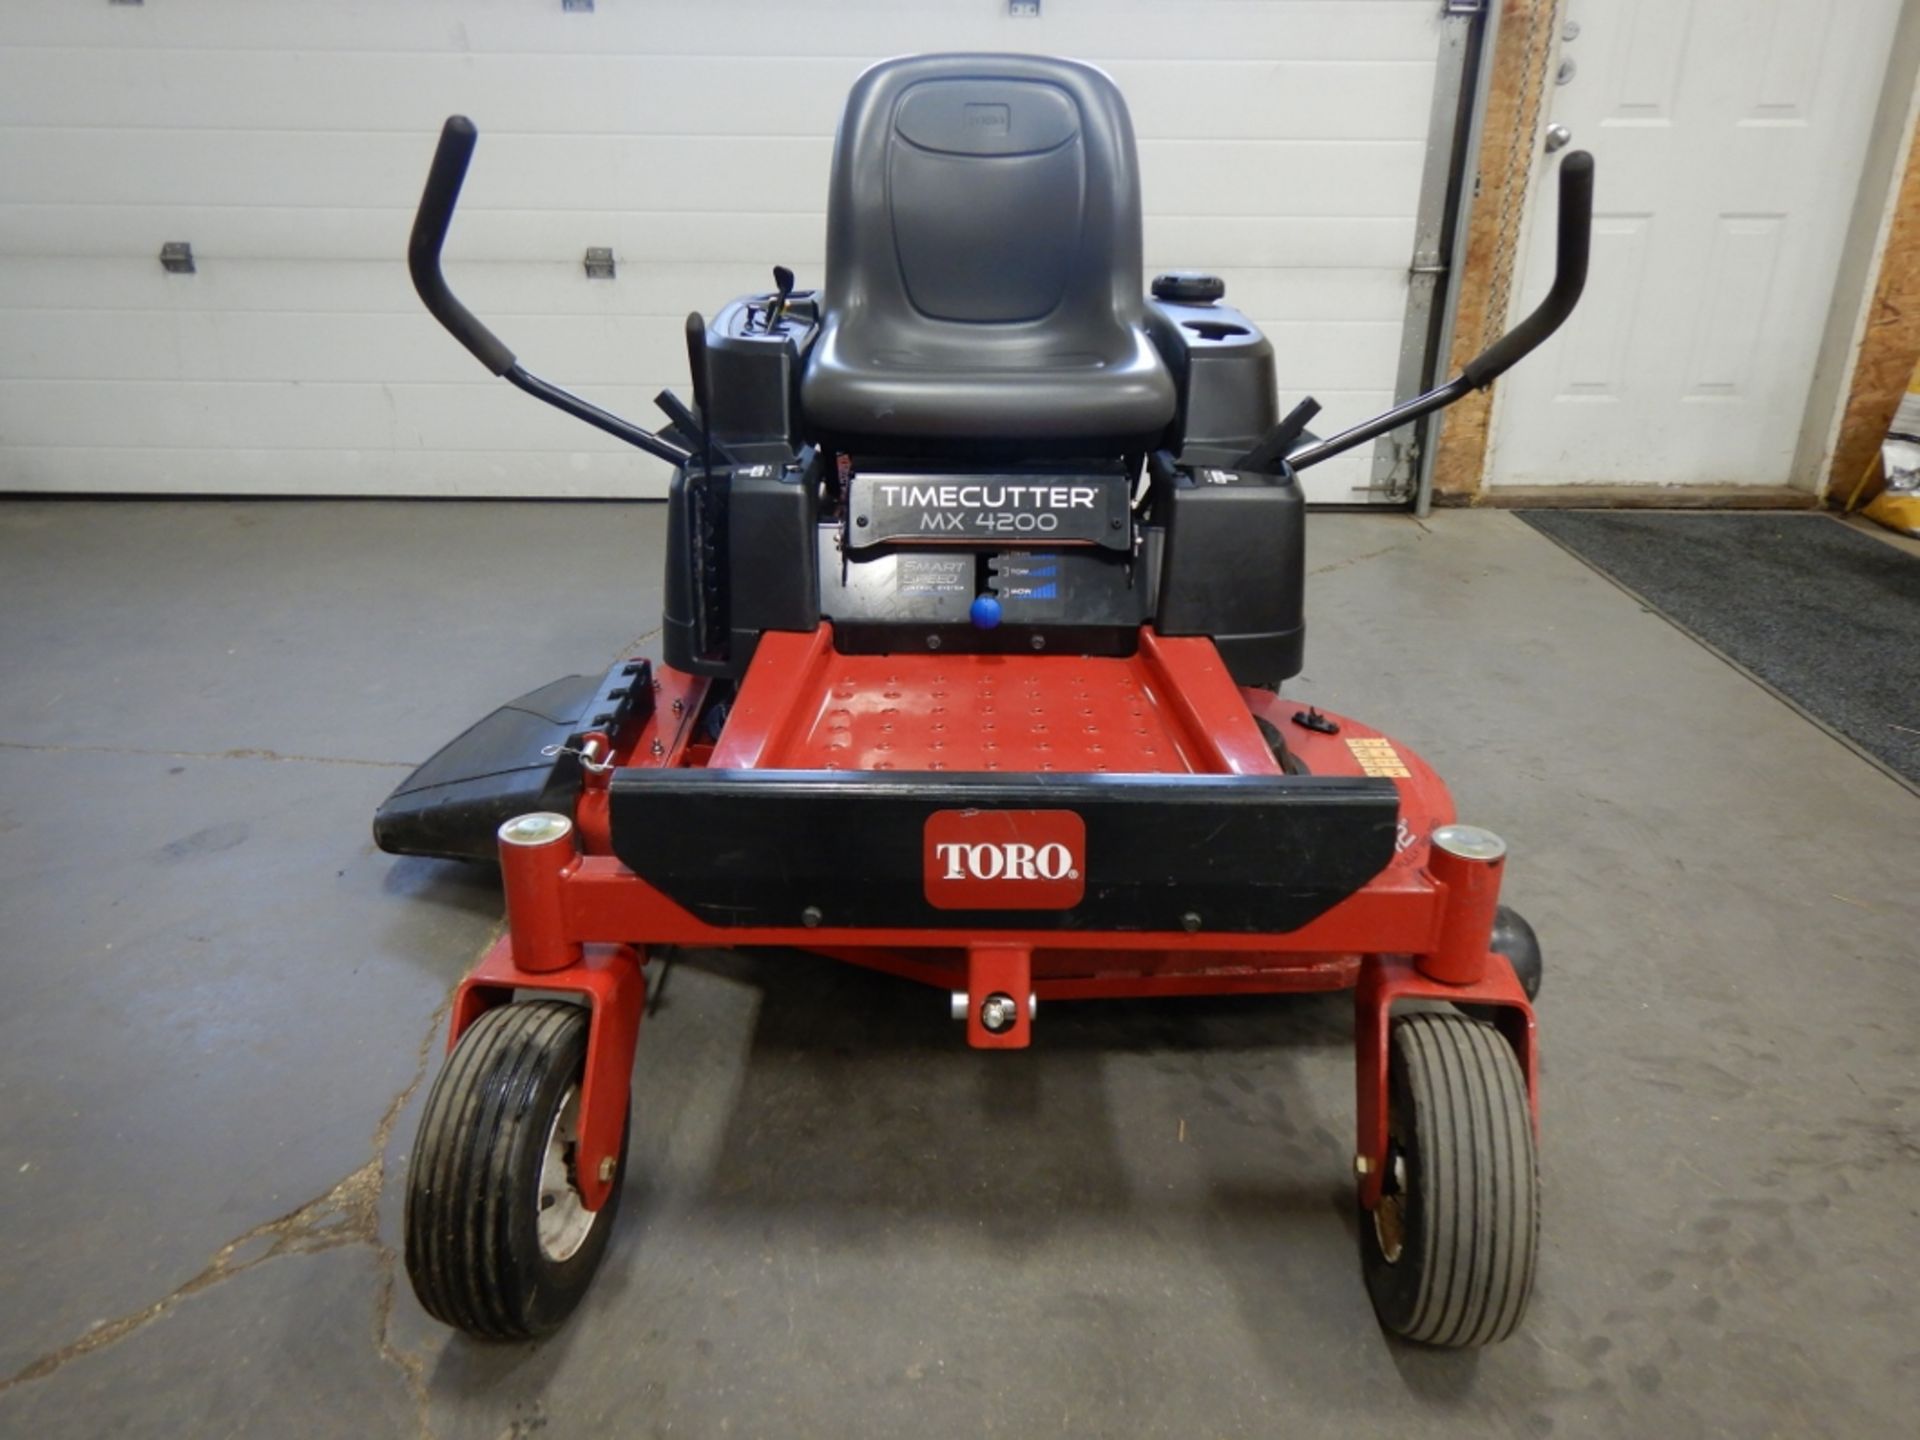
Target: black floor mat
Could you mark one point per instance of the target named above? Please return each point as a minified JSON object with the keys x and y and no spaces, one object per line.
{"x":1827,"y":617}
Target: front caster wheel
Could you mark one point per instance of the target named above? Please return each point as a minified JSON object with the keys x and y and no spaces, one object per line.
{"x":499,"y":1241}
{"x":1449,"y":1250}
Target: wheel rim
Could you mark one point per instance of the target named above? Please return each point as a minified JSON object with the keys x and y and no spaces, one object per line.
{"x":564,"y":1219}
{"x":1390,"y":1212}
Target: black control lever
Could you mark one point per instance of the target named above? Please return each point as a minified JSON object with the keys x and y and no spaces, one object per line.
{"x":782,"y":287}
{"x":1569,"y":279}
{"x":1275,"y":444}
{"x":1574,"y":235}
{"x":678,"y":415}
{"x":430,"y":223}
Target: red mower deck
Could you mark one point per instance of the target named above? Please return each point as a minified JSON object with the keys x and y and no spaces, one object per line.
{"x":582,"y":922}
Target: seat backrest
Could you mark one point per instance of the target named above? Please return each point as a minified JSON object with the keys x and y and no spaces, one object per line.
{"x":984,"y":191}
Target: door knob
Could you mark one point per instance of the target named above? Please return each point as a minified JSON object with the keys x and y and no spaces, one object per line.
{"x":1557,"y":137}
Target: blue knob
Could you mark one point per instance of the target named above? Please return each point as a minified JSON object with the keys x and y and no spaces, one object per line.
{"x":984,"y":612}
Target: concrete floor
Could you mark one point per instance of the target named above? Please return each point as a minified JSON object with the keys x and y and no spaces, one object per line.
{"x":218,"y":1005}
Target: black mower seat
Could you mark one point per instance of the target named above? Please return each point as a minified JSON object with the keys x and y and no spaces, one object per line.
{"x":983,"y":279}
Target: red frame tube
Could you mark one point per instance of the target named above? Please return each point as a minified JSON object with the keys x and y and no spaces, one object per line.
{"x":533,"y":876}
{"x":1459,"y":952}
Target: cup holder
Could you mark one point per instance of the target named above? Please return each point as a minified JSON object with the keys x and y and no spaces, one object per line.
{"x":1214,"y":329}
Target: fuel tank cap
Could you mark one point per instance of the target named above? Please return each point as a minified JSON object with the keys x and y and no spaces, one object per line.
{"x":1189,"y":287}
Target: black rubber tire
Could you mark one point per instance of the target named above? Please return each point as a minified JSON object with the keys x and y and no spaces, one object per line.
{"x":1289,"y":763}
{"x":1514,"y":938}
{"x":473,"y":1189}
{"x":1468,"y":1204}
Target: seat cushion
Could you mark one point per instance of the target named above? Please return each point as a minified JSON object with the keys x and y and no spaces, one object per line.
{"x":983,"y":262}
{"x":981,"y":388}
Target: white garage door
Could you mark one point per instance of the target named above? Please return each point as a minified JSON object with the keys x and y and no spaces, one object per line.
{"x":1281,"y":142}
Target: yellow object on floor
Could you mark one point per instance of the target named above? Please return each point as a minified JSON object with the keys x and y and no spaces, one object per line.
{"x":1898,"y":506}
{"x":1897,"y":510}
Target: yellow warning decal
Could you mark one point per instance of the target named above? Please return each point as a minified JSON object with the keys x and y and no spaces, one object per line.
{"x":1378,"y":757}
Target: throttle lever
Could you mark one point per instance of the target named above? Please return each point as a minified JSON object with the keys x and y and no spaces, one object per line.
{"x":782,"y":287}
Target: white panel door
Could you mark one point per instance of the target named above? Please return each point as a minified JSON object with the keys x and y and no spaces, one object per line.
{"x":1728,"y":137}
{"x":1281,"y":144}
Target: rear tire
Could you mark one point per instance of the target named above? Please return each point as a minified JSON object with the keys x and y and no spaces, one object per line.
{"x":1289,"y":763}
{"x":1449,"y":1252}
{"x":499,"y":1243}
{"x":1513,"y":937}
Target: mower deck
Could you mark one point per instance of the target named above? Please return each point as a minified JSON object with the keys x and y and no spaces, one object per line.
{"x":808,"y":719}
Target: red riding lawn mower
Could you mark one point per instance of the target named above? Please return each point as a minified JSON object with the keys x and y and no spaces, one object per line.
{"x":983,"y":574}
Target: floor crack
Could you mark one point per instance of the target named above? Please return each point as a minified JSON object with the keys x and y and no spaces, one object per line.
{"x":326,"y":1222}
{"x":626,"y":652}
{"x":1367,"y":555}
{"x":347,"y":1213}
{"x":412,"y":1370}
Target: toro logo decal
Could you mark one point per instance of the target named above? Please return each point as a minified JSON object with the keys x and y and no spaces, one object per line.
{"x":1005,"y":859}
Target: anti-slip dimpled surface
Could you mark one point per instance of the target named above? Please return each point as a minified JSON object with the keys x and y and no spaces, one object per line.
{"x":1074,"y":716}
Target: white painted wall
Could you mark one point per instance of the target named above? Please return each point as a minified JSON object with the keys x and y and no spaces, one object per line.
{"x":1281,"y":144}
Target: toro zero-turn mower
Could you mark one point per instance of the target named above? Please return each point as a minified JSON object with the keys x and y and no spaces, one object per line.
{"x":983,"y":574}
